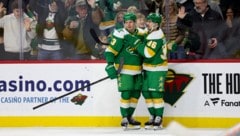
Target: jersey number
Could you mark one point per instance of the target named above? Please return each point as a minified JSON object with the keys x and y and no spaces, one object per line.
{"x":152,"y":44}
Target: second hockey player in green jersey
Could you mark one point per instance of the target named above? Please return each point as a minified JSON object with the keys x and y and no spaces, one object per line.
{"x":155,"y":66}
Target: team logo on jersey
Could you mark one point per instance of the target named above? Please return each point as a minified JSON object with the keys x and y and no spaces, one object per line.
{"x":131,"y":51}
{"x":175,"y":86}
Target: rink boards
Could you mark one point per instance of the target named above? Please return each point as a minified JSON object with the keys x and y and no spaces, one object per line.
{"x":198,"y":94}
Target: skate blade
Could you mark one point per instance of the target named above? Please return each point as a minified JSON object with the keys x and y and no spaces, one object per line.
{"x":136,"y":127}
{"x":157,"y":127}
{"x":150,"y":127}
{"x":127,"y":128}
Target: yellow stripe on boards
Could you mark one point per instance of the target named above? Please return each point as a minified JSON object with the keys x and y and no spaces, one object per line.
{"x":109,"y":121}
{"x":65,"y":121}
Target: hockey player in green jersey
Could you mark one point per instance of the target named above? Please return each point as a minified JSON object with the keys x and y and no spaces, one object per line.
{"x":155,"y":66}
{"x":130,"y":78}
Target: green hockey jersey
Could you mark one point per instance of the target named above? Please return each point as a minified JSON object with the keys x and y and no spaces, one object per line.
{"x":154,"y":52}
{"x":120,"y":48}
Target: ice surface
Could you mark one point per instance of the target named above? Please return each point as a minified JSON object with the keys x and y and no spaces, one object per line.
{"x":81,"y":131}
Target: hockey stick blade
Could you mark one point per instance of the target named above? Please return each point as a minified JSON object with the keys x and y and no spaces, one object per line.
{"x":95,"y":37}
{"x":100,"y":80}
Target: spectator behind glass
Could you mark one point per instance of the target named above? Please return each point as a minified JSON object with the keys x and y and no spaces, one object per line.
{"x":215,"y":6}
{"x":133,"y":9}
{"x":49,"y":31}
{"x":7,"y":4}
{"x":123,"y":5}
{"x":230,"y":34}
{"x":188,"y":4}
{"x":154,"y":6}
{"x":17,"y":37}
{"x":70,"y":7}
{"x":68,"y":47}
{"x":119,"y":20}
{"x":38,"y":6}
{"x":2,"y":51}
{"x":191,"y":41}
{"x":77,"y":29}
{"x":141,"y":21}
{"x":205,"y":21}
{"x":108,"y":9}
{"x":170,"y":29}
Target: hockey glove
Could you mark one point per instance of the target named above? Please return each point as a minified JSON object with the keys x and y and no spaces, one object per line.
{"x":111,"y":71}
{"x":172,"y":46}
{"x":131,"y":40}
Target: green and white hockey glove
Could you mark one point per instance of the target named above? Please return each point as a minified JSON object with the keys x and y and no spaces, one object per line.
{"x":131,"y":40}
{"x":111,"y":71}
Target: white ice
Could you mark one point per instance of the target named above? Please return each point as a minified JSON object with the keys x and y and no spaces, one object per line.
{"x":100,"y":131}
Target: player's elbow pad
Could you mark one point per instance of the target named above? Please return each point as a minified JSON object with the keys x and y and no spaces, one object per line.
{"x":109,"y":57}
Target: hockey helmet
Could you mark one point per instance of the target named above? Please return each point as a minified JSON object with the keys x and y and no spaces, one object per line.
{"x":156,"y":18}
{"x":129,"y":16}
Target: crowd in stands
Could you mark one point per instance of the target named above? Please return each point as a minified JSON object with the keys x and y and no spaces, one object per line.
{"x":60,"y":29}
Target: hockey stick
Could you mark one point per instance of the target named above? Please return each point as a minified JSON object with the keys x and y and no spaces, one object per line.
{"x":100,"y":80}
{"x":95,"y":37}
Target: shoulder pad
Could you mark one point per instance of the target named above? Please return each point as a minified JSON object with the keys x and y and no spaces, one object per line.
{"x":120,"y":33}
{"x":156,"y":35}
{"x":142,"y":31}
